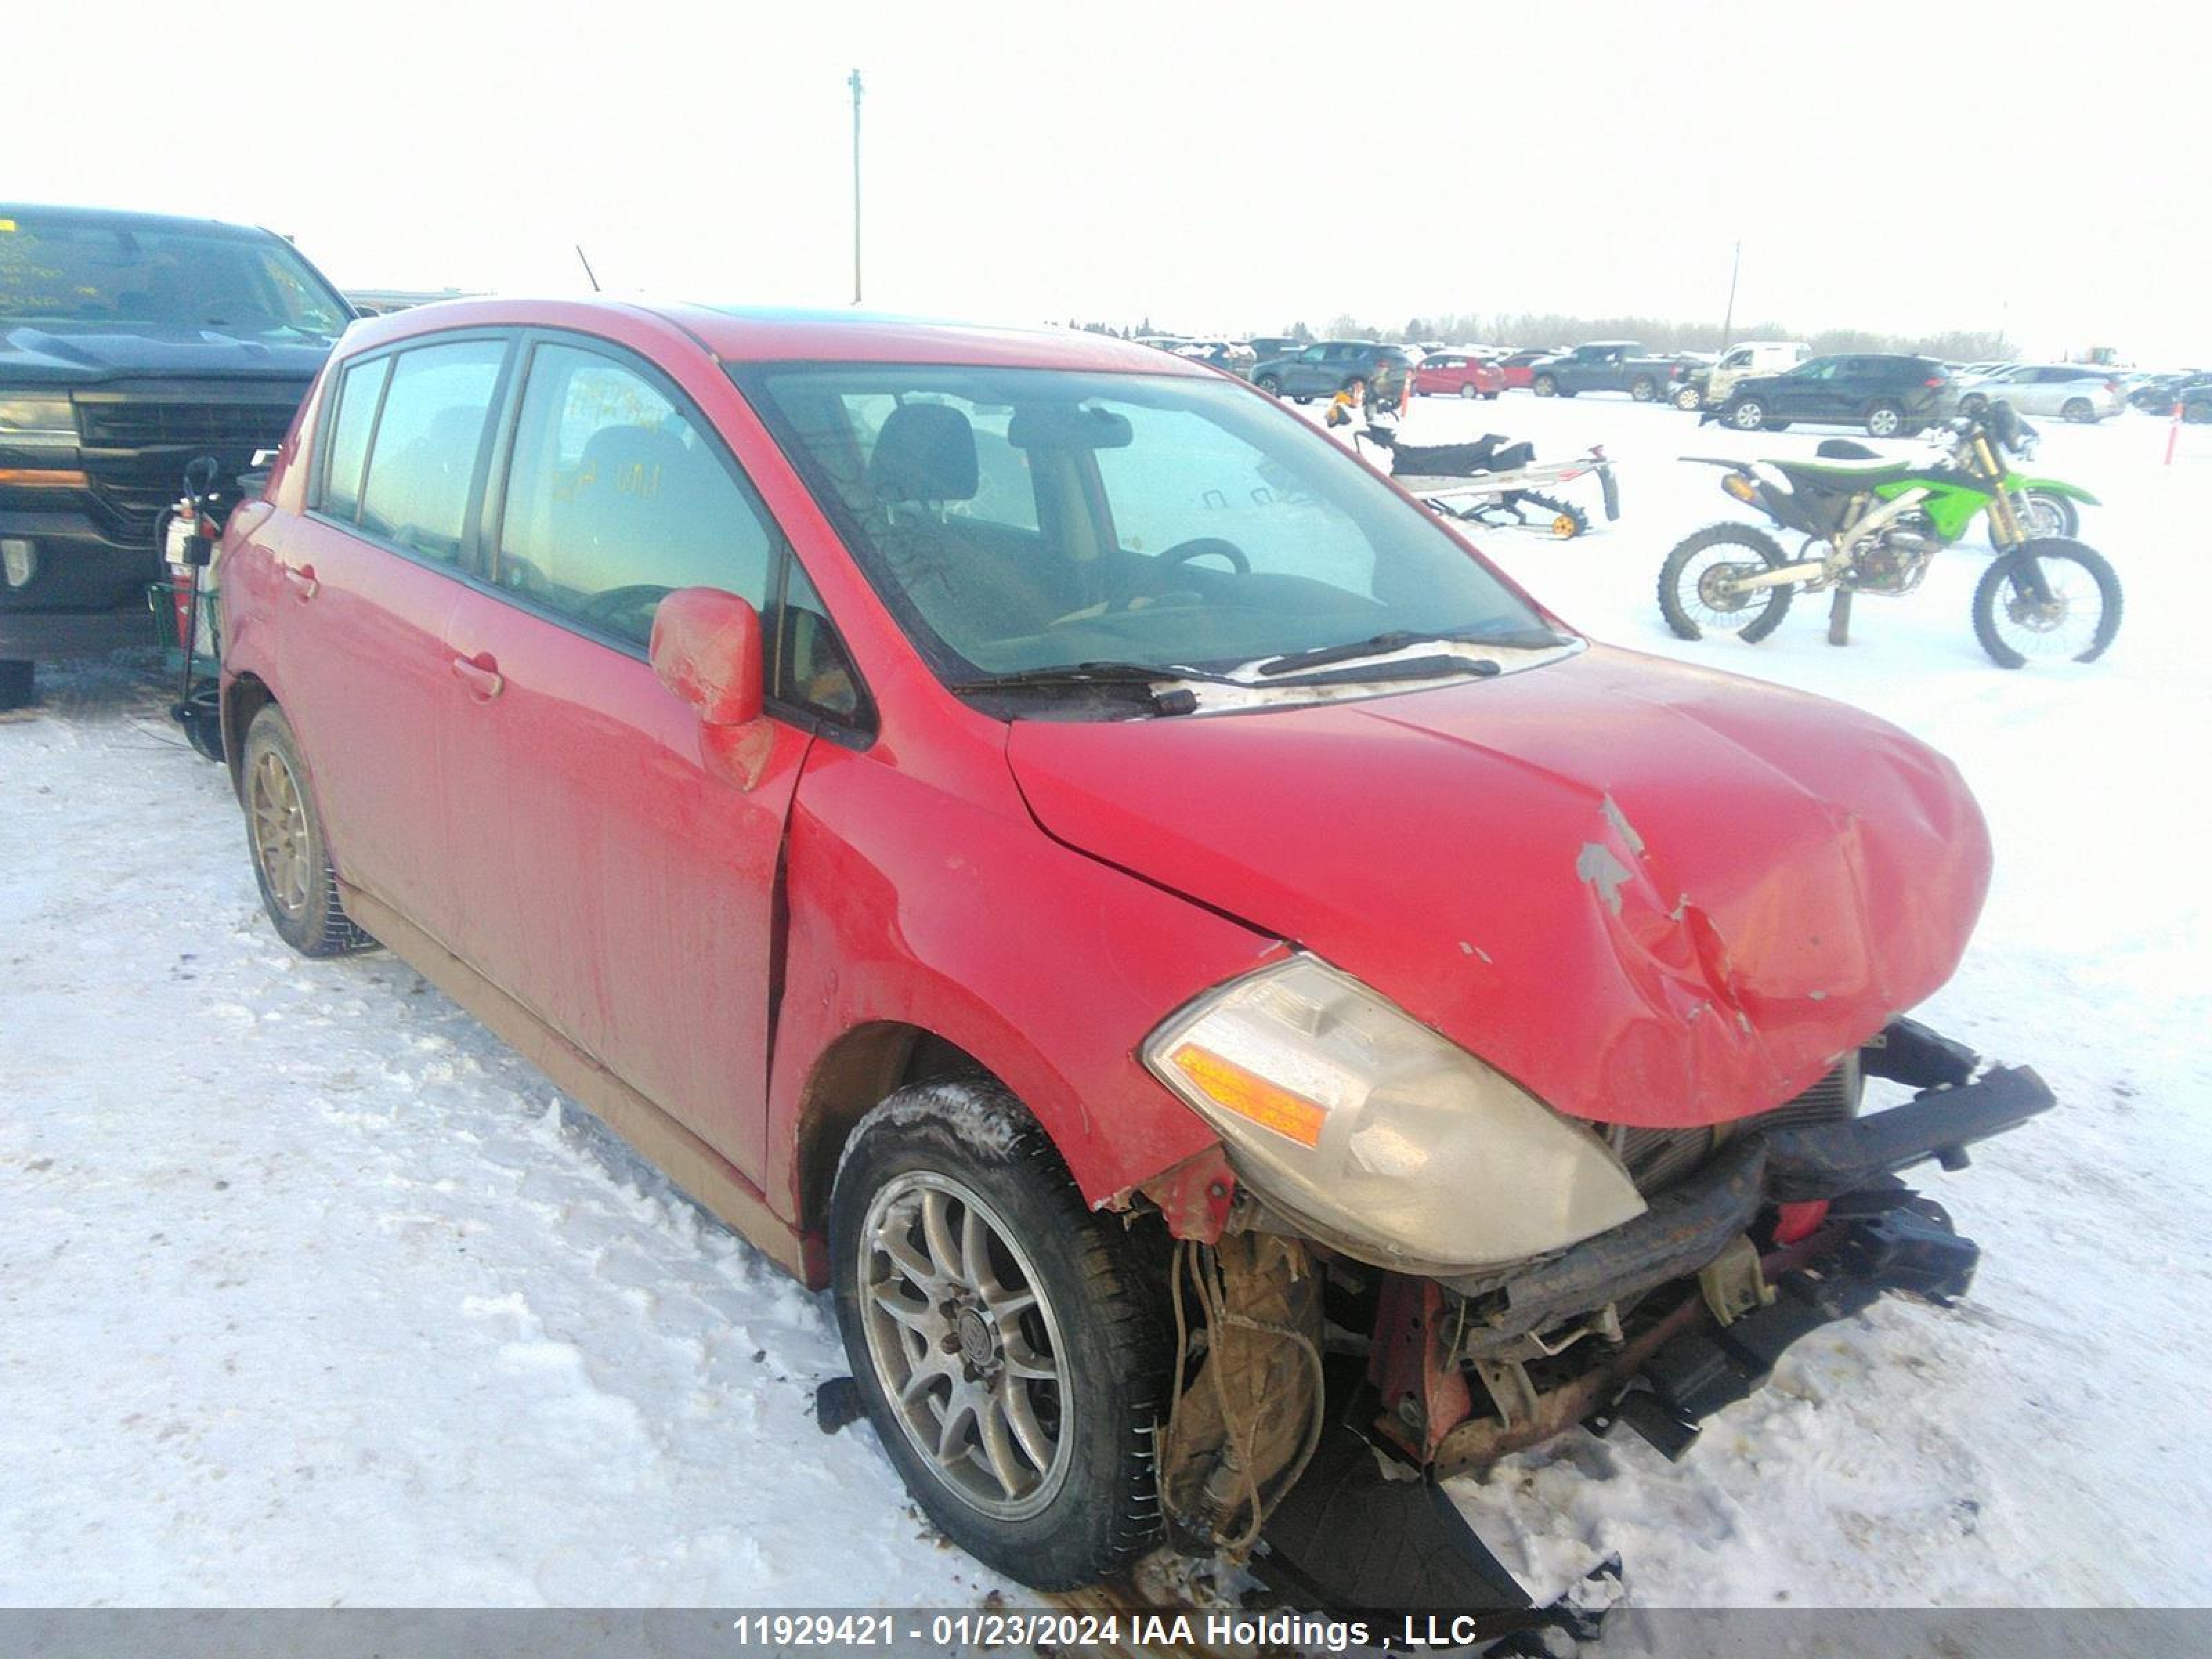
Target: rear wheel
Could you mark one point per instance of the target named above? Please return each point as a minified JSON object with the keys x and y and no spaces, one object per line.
{"x":1470,"y":390}
{"x":1006,"y":1338}
{"x":2043,"y":515}
{"x":2049,"y":600}
{"x":1643,"y":388}
{"x":1686,"y":398}
{"x":1884,"y":420}
{"x":1544,"y":385}
{"x":291,"y":860}
{"x":15,"y":684}
{"x":1270,"y":384}
{"x":1691,"y":582}
{"x":2080,"y":411}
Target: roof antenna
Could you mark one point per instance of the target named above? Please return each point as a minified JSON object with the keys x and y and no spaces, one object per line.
{"x":587,"y":268}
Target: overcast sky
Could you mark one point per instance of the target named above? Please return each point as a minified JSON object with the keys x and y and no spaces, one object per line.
{"x":2036,"y":166}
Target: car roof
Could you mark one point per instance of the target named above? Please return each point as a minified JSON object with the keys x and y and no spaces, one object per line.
{"x":739,"y":334}
{"x":125,"y":219}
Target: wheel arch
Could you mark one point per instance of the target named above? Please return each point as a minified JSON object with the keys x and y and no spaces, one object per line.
{"x":244,"y":695}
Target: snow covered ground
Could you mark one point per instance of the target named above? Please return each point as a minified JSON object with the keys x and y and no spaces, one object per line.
{"x":311,"y":1292}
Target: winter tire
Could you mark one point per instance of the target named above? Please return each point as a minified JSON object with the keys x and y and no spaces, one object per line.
{"x":1746,"y":415}
{"x":284,"y":834}
{"x":1544,"y":387}
{"x":1643,"y":388}
{"x":2049,"y":600}
{"x":1686,"y":597}
{"x":1006,"y":1339}
{"x":1884,"y":420}
{"x":15,"y":684}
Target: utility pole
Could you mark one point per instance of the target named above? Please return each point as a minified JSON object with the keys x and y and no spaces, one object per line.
{"x":853,"y":82}
{"x":1728,"y":323}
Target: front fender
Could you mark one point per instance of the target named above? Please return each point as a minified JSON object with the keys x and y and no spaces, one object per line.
{"x":2015,"y":480}
{"x":929,"y":908}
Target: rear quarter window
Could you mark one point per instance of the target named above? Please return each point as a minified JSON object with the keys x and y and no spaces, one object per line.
{"x":360,"y":389}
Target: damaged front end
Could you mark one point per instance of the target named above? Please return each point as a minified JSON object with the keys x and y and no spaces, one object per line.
{"x":1307,"y":1367}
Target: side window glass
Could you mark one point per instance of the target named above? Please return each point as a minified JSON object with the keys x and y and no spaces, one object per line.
{"x":417,"y":488}
{"x":360,"y":389}
{"x":615,"y":499}
{"x":813,"y":670}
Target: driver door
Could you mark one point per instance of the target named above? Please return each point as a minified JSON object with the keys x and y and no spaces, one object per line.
{"x":607,"y":881}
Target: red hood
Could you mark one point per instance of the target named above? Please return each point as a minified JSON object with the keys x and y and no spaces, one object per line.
{"x":1650,"y":894}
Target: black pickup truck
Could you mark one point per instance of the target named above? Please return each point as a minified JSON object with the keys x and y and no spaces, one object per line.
{"x":1605,"y":366}
{"x":129,"y":344}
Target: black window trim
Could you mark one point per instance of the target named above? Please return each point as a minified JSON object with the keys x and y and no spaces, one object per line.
{"x":462,"y":567}
{"x":856,"y":730}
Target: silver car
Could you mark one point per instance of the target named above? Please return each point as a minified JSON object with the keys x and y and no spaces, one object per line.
{"x":2075,"y":391}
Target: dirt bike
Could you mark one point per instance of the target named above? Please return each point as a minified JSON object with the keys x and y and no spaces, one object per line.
{"x":1872,"y":525}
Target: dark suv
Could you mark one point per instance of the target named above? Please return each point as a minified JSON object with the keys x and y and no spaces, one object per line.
{"x":1329,"y":367}
{"x":129,"y":344}
{"x":1888,"y":394}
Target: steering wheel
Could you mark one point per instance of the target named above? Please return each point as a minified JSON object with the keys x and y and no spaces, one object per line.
{"x":1198,"y":547}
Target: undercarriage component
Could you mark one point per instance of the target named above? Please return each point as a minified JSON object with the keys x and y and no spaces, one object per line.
{"x":1246,"y":1422}
{"x":1414,"y":1365}
{"x":1356,"y":1539}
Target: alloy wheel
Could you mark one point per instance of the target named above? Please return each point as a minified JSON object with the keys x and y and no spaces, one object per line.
{"x":280,"y":832}
{"x":966,"y":1345}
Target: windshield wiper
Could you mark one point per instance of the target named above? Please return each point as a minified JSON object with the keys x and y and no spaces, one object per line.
{"x":1405,"y":668}
{"x":1154,"y":685}
{"x":1525,"y":639}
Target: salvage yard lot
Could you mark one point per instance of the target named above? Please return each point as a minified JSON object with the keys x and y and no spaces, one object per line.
{"x":311,"y":1291}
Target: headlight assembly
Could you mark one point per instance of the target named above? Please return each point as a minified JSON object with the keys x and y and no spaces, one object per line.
{"x":37,"y":424}
{"x":1386,"y":1139}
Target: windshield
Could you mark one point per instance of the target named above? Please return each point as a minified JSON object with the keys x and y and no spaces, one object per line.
{"x":122,"y":277}
{"x":1019,"y":520}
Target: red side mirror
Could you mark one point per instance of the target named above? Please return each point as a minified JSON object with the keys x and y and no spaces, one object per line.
{"x":706,"y":649}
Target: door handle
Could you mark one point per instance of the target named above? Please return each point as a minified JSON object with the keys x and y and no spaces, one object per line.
{"x":482,"y":678}
{"x":303,"y":579}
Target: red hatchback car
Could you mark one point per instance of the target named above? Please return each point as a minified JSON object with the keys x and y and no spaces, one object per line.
{"x":1045,"y":842}
{"x":1455,"y":375}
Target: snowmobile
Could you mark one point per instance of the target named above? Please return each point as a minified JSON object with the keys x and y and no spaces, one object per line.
{"x":1497,"y":482}
{"x":1872,"y":525}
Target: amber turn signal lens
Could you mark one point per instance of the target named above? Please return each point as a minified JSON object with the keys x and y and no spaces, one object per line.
{"x":1248,"y":1095}
{"x":41,"y":478}
{"x":1739,"y":487}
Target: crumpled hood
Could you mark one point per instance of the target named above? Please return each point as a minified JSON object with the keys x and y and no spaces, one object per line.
{"x":37,"y":356}
{"x":1650,"y":894}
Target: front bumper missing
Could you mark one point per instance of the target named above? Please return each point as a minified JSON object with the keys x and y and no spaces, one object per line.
{"x":1689,"y":1224}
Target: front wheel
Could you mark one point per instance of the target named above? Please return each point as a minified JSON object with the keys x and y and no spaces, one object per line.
{"x":1006,"y":1339}
{"x":1746,"y":415}
{"x":1686,"y":398}
{"x":1270,"y":384}
{"x":2049,"y":600}
{"x":2079,"y":410}
{"x":1691,"y":583}
{"x":1545,"y":387}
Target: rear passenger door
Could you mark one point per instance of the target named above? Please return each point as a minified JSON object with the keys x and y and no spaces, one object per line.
{"x":612,"y":885}
{"x":374,"y":569}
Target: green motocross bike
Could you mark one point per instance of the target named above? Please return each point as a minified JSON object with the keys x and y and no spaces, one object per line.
{"x":1872,"y":525}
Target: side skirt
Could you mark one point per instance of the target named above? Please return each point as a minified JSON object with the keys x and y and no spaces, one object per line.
{"x":686,"y":1159}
